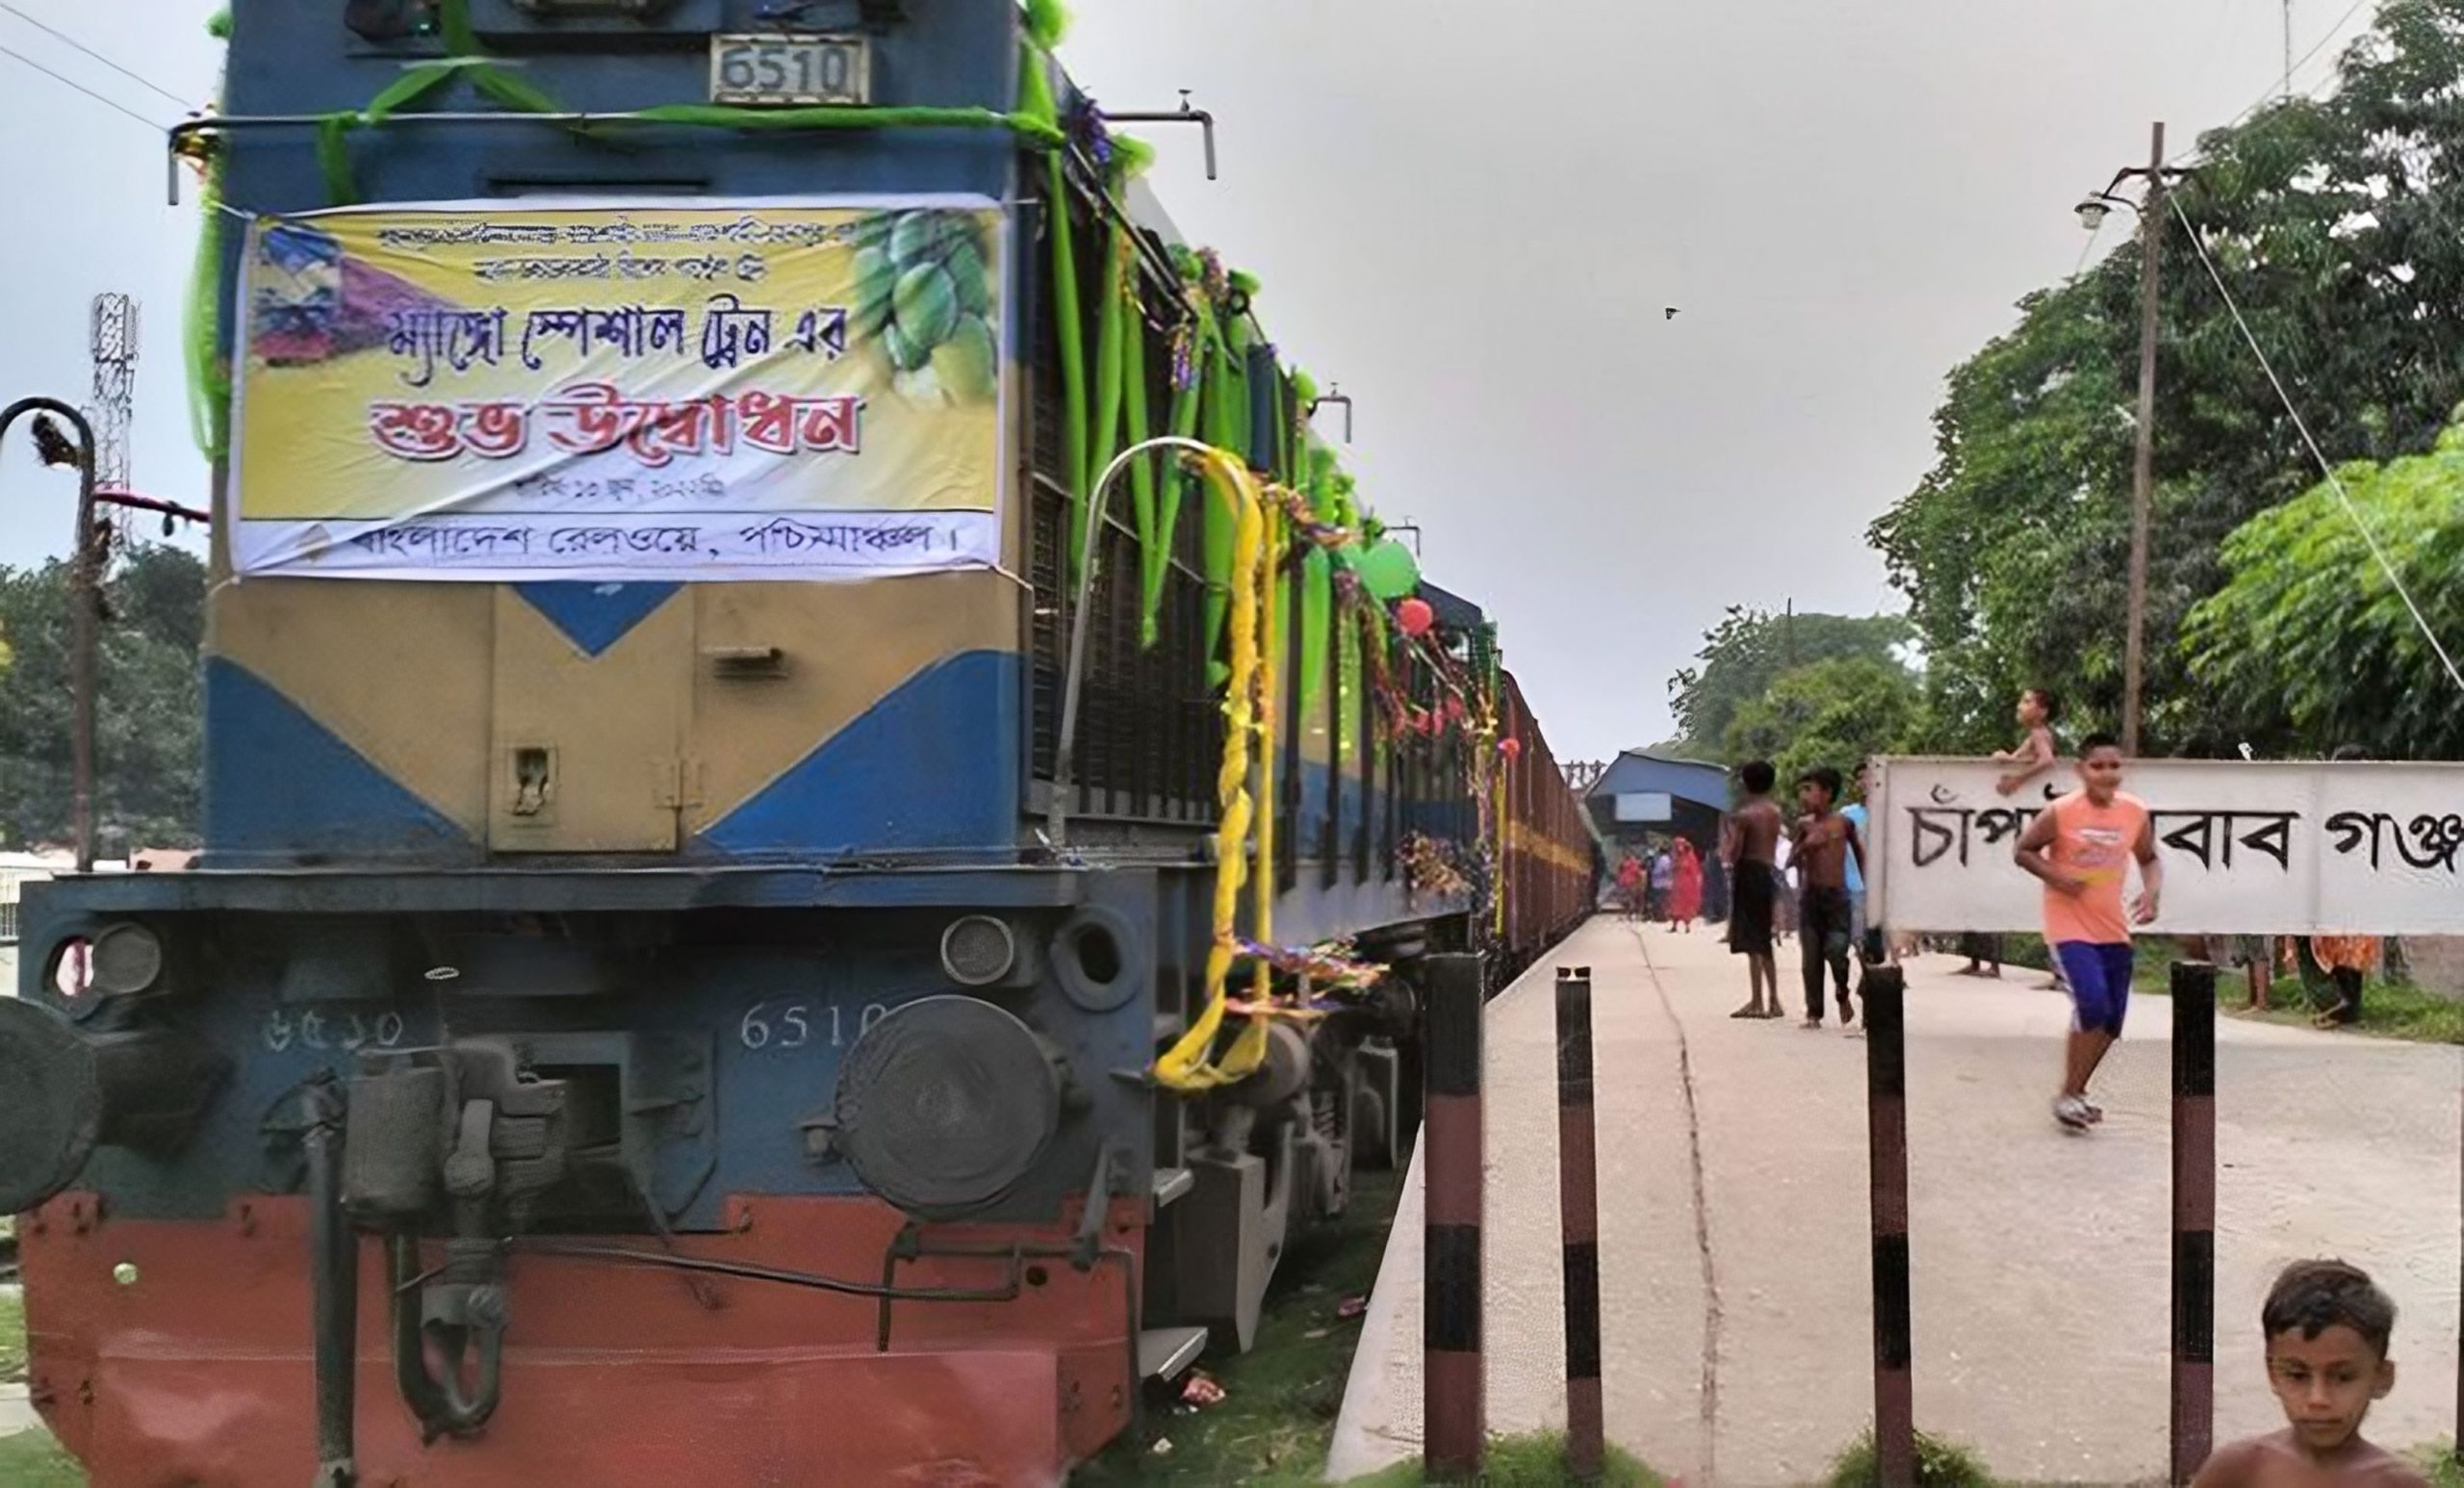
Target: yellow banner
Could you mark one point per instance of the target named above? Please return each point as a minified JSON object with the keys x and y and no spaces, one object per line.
{"x":619,"y":392}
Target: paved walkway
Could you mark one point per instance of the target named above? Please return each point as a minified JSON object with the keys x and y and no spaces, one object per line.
{"x":1736,"y":1311}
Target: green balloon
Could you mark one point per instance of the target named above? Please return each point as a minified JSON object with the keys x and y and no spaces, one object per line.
{"x":1387,"y":570}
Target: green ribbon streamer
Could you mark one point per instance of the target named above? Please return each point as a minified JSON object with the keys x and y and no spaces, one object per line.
{"x":1112,"y":327}
{"x":1074,"y":352}
{"x":209,"y":379}
{"x":1227,"y":428}
{"x":1187,"y":402}
{"x":1141,"y":472}
{"x":333,"y":158}
{"x":721,"y":116}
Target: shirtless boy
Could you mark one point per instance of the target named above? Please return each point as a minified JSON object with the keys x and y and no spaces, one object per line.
{"x":2036,"y":750}
{"x":2327,"y":1329}
{"x":1749,"y":844}
{"x":1824,"y":844}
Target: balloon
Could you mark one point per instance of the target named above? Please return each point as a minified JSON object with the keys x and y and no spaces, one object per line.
{"x":1512,"y":747}
{"x":1414,"y":617}
{"x":1387,"y":570}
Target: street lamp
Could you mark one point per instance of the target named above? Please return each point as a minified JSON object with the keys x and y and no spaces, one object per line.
{"x":2093,"y":213}
{"x":85,"y":599}
{"x":2095,"y":209}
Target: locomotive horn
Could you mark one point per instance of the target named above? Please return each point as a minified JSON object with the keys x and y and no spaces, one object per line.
{"x":64,"y":1092}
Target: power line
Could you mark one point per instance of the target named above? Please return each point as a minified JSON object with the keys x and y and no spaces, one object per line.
{"x":59,"y":36}
{"x":70,"y":82}
{"x":2334,"y":482}
{"x":2272,"y":95}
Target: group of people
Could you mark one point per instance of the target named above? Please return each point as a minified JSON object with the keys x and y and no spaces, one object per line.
{"x":2327,"y":1327}
{"x":1667,"y":888}
{"x":1825,"y":855}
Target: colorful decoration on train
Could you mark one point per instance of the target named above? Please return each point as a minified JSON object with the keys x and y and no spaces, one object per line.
{"x":1413,"y":617}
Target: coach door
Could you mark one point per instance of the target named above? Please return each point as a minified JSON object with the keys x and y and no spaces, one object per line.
{"x":592,"y":693}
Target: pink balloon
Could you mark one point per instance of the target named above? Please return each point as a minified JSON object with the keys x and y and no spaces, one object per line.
{"x":1512,"y":747}
{"x":1414,"y":617}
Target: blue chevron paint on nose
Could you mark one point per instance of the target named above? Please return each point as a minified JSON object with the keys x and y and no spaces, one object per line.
{"x":594,"y":616}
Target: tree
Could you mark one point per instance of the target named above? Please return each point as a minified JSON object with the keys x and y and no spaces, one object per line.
{"x":1747,"y":653}
{"x":149,"y":714}
{"x":2308,"y":629}
{"x":1839,"y":712}
{"x":2329,"y":220}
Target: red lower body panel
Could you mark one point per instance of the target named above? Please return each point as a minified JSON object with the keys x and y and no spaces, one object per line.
{"x":196,"y":1373}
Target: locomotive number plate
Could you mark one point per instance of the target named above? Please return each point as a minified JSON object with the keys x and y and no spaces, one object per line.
{"x":790,"y":69}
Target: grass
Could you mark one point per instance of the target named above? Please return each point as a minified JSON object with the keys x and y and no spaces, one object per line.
{"x":1277,"y":1418}
{"x":1535,"y":1461}
{"x":1939,"y":1464}
{"x":13,"y":1339}
{"x":2389,"y":1010}
{"x":30,"y":1459}
{"x":2438,"y":1460}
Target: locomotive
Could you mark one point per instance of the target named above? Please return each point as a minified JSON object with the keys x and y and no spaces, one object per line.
{"x":694,"y":974}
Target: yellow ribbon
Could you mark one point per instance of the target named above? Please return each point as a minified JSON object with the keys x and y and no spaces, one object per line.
{"x":1185,"y":1066}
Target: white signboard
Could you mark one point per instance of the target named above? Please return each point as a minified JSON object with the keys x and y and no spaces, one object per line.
{"x":1647,"y":806}
{"x":2248,"y":849}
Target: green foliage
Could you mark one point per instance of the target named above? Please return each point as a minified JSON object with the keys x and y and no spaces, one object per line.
{"x":2331,"y":223}
{"x":1839,"y":712}
{"x":149,"y":716}
{"x":13,"y":1339}
{"x":2441,"y":1462}
{"x":1748,"y":651}
{"x":1939,"y":1464}
{"x":2308,"y":628}
{"x":1533,"y":1461}
{"x":32,"y":1459}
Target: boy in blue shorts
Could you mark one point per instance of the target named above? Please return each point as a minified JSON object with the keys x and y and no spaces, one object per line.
{"x":2082,"y":847}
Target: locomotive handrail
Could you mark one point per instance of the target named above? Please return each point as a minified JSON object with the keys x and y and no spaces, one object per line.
{"x":1056,"y":824}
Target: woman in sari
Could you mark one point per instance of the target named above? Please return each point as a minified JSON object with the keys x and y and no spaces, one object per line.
{"x":1685,"y":900}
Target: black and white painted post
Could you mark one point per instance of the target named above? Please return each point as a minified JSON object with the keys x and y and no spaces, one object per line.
{"x":1579,"y":1216}
{"x":1454,"y":1407}
{"x":2194,"y":1381}
{"x":1885,"y":990}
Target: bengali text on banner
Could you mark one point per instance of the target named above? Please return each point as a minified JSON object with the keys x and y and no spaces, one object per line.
{"x":621,"y":392}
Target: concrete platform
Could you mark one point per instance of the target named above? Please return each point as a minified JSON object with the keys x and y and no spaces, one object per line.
{"x":1737,"y":1311}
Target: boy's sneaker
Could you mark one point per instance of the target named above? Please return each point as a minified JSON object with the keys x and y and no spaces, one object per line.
{"x":2095,"y":1113}
{"x":2072,"y":1112}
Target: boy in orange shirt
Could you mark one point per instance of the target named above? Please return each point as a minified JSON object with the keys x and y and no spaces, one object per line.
{"x":2082,"y":847}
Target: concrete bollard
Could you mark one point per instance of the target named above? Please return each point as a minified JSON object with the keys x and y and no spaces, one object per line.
{"x":1579,"y":1215}
{"x":2194,"y":1392}
{"x":1886,"y":997}
{"x":1453,"y":1406}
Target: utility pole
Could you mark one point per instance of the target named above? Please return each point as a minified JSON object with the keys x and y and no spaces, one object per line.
{"x":2093,"y":213}
{"x":2143,"y":484}
{"x":2288,"y":48}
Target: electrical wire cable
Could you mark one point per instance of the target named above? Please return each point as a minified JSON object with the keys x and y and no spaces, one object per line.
{"x":2276,"y":93}
{"x":69,"y":82}
{"x":2335,"y":482}
{"x":65,"y":40}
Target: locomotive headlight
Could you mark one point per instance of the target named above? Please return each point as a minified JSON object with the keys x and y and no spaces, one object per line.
{"x":126,"y":959}
{"x":978,"y":950}
{"x":945,"y":1104}
{"x":50,"y":1104}
{"x":65,"y":1092}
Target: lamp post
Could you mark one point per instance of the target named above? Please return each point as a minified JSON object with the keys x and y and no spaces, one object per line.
{"x":85,"y":596}
{"x":2093,"y":213}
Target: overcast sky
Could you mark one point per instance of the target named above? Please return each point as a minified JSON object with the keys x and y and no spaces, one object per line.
{"x":1473,"y":218}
